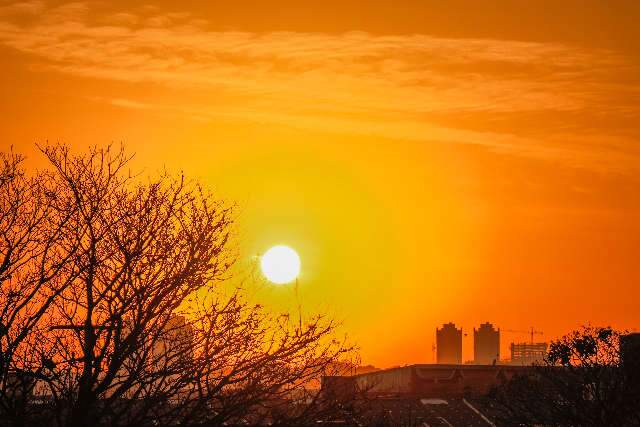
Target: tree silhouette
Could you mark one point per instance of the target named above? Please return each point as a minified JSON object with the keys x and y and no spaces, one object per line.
{"x":582,"y":381}
{"x":123,"y":319}
{"x":35,"y":268}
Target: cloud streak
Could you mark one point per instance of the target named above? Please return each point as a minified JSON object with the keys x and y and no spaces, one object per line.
{"x":388,"y":86}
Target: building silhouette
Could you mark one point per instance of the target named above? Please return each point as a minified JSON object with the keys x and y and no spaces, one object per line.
{"x":449,"y":344}
{"x":427,"y":380}
{"x":630,"y":357}
{"x":175,"y":341}
{"x":486,"y":345}
{"x":527,"y":353}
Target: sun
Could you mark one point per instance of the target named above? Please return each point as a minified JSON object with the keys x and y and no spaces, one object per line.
{"x":280,"y":264}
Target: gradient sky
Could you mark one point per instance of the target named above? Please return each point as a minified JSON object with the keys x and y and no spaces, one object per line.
{"x":431,"y":161}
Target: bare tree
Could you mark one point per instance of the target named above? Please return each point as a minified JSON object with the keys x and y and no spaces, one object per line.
{"x":144,"y":249}
{"x":35,"y":268}
{"x":264,"y":366}
{"x":132,"y":325}
{"x":581,"y":382}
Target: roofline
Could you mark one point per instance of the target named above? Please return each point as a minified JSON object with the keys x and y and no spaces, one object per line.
{"x":467,"y":367}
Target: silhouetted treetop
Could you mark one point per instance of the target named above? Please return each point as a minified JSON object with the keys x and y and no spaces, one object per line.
{"x":111,"y":306}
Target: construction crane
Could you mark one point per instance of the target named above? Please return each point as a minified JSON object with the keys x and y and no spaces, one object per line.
{"x":532,"y":332}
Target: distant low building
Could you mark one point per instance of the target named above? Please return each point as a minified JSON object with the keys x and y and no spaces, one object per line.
{"x":366,"y":369}
{"x":449,"y":344}
{"x":443,"y":381}
{"x":486,"y":345}
{"x":526,"y":354}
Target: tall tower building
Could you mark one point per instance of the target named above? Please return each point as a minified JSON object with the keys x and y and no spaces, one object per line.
{"x":449,"y":344}
{"x":486,"y":345}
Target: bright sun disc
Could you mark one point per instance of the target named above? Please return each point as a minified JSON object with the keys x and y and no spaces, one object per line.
{"x":280,"y":264}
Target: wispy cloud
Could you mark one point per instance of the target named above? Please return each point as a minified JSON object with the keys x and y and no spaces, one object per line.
{"x":390,"y":86}
{"x":127,"y":103}
{"x":22,"y":8}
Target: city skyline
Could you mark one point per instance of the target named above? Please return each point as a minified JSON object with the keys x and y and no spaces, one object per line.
{"x":486,"y":344}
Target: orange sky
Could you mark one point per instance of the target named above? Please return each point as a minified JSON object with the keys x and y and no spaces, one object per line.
{"x":430,"y":161}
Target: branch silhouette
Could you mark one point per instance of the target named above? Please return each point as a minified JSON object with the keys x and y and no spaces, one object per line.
{"x":114,"y":309}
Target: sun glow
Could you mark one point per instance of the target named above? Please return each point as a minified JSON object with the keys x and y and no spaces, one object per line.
{"x":280,"y":264}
